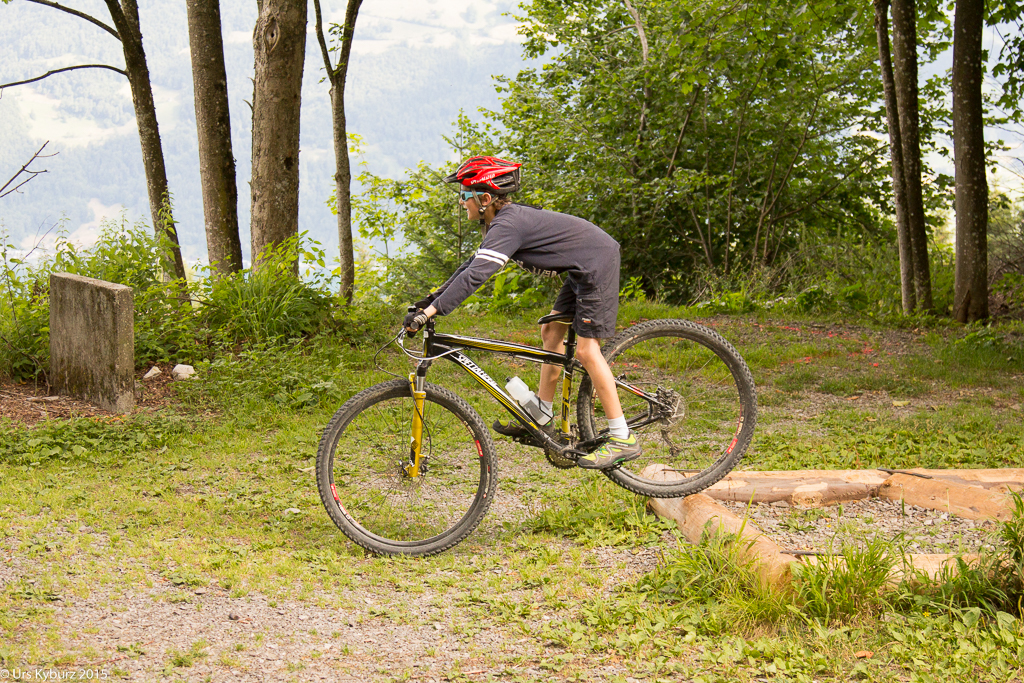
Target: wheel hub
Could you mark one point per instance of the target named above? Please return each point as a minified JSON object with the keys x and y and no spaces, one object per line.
{"x":671,"y":409}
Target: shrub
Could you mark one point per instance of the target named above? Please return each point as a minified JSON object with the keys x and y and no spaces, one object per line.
{"x":24,"y":319}
{"x":124,"y":253}
{"x":847,"y":585}
{"x":270,"y":305}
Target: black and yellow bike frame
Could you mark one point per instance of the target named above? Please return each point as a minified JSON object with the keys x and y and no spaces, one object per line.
{"x":450,"y":346}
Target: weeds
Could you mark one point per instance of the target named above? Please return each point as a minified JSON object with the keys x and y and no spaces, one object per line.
{"x":849,"y":585}
{"x":176,"y":321}
{"x":599,"y":513}
{"x":266,"y":305}
{"x":185,"y":659}
{"x":98,"y":442}
{"x":716,"y":573}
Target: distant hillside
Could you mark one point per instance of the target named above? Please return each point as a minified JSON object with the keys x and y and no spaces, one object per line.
{"x":407,"y":84}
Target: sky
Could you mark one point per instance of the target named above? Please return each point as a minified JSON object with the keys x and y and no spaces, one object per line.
{"x":415,"y":65}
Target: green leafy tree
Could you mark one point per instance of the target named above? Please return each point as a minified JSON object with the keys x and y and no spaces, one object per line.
{"x":420,"y":230}
{"x":705,"y":135}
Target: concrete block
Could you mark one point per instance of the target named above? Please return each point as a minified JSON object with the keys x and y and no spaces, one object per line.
{"x":92,"y":341}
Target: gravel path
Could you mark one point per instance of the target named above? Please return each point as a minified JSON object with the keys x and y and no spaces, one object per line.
{"x":162,"y":632}
{"x":165,"y":632}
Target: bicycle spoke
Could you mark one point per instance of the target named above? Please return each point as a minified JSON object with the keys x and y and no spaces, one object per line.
{"x":694,"y":408}
{"x":373,"y":487}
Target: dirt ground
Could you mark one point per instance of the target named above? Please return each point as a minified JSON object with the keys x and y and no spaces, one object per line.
{"x":31,"y":403}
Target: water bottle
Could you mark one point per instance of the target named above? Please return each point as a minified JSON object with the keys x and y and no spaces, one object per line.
{"x":518,"y":389}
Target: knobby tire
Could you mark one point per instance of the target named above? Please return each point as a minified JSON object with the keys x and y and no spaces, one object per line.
{"x":715,"y":405}
{"x":363,"y":485}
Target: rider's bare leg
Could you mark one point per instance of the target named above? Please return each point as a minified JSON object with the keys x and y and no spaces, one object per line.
{"x":553,"y":337}
{"x":588,"y":352}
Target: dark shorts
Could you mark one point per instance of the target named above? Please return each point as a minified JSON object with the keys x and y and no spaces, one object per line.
{"x":594,"y":302}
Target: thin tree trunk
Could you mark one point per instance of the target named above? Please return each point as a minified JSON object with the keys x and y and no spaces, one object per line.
{"x":970,"y":296}
{"x":126,"y":20}
{"x":337,"y":76}
{"x":279,"y":44}
{"x":213,"y":126}
{"x":896,"y":152}
{"x":904,"y":35}
{"x":644,"y":54}
{"x":343,"y":191}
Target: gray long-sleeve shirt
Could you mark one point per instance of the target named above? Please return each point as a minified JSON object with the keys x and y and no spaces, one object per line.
{"x":542,"y":242}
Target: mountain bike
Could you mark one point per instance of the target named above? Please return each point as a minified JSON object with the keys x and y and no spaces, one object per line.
{"x":408,"y":467}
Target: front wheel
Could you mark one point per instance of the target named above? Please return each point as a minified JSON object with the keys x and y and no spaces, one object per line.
{"x":688,"y":397}
{"x":363,"y":475}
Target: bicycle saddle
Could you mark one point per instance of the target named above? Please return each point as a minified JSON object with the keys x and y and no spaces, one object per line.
{"x":556,"y":318}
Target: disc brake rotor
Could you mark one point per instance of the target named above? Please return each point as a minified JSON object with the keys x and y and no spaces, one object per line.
{"x":672,"y":409}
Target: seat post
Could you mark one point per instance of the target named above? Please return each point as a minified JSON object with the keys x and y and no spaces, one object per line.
{"x":570,"y":344}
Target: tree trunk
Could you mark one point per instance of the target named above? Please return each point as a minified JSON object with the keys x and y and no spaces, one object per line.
{"x":904,"y":33}
{"x":213,"y":125}
{"x":970,"y":296}
{"x":337,"y":76}
{"x":126,"y":20}
{"x":899,"y":190}
{"x":279,"y":43}
{"x":343,"y":190}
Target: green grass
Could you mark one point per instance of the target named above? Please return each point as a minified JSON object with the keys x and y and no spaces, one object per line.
{"x":200,"y":497}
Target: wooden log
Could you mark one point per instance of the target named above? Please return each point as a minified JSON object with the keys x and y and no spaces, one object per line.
{"x":814,"y":488}
{"x":1002,"y":479}
{"x":809,"y":488}
{"x":935,"y":564}
{"x":699,"y":514}
{"x":956,"y":499}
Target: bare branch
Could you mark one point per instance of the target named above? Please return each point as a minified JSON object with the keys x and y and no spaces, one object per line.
{"x":639,"y":28}
{"x":81,"y":15}
{"x":27,"y":171}
{"x":57,"y":71}
{"x":682,"y":131}
{"x":323,"y":42}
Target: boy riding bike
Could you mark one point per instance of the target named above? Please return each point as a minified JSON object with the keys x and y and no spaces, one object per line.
{"x":550,"y":243}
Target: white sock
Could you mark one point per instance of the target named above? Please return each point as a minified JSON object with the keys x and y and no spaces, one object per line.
{"x":548,"y":407}
{"x":617,"y":427}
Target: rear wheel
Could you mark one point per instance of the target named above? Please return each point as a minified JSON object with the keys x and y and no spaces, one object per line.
{"x":364,"y":485}
{"x":697,"y":412}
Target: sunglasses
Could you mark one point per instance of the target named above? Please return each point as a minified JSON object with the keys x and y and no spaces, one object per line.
{"x":466,"y":195}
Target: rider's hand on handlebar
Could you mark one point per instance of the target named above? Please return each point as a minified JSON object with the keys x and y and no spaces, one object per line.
{"x":414,"y":320}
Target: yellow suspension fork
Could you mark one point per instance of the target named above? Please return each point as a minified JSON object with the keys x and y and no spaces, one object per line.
{"x":419,"y":397}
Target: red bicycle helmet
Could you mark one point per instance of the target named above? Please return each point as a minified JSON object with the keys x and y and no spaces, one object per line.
{"x":487,"y":174}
